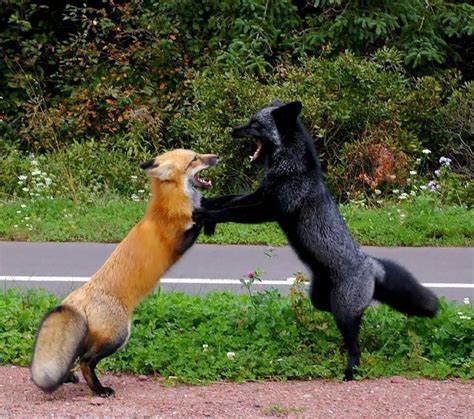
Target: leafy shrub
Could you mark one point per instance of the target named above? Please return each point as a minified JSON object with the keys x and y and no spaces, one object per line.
{"x":349,"y":103}
{"x":73,"y":70}
{"x":222,"y":336}
{"x":76,"y":172}
{"x":97,"y":71}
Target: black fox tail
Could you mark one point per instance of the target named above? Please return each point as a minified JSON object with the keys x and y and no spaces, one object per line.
{"x":399,"y":289}
{"x":57,"y":345}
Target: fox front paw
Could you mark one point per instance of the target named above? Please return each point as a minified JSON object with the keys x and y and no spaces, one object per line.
{"x":201,"y":216}
{"x":204,"y":218}
{"x":209,"y":229}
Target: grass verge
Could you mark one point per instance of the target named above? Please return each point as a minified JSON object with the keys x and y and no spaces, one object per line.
{"x":421,"y":222}
{"x":223,"y":336}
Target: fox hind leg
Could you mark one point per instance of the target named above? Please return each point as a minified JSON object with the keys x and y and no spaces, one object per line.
{"x":71,"y":378}
{"x":320,"y":295}
{"x":348,"y":309}
{"x":349,"y":326}
{"x":91,"y":358}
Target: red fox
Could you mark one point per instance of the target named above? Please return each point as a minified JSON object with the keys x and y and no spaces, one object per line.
{"x":94,"y":321}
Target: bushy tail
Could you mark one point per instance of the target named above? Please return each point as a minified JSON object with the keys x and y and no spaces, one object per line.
{"x":399,"y":289}
{"x":57,"y":345}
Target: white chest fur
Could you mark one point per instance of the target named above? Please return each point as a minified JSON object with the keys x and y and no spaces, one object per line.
{"x":195,"y":197}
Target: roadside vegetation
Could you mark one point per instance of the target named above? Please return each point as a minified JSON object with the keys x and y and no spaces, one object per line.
{"x":90,"y":91}
{"x":421,"y":221}
{"x":223,"y":336}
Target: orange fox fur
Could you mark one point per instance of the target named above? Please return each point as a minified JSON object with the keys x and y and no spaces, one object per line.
{"x":94,"y":321}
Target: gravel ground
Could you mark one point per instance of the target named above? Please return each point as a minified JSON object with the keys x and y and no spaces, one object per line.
{"x":141,"y":395}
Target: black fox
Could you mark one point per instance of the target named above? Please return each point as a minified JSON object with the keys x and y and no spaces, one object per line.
{"x":292,"y":192}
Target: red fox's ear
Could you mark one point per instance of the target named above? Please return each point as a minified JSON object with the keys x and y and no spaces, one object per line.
{"x":162,"y":171}
{"x":148,"y":164}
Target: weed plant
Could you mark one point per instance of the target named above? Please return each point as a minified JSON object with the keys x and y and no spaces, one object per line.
{"x":223,"y":336}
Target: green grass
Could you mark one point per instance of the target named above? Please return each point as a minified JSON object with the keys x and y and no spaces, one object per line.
{"x":223,"y":336}
{"x":421,"y":222}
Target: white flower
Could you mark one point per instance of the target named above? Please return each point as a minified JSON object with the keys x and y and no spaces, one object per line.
{"x":392,"y":177}
{"x":403,"y":196}
{"x":47,"y":181}
{"x":426,"y":151}
{"x":402,"y":215}
{"x":231,"y":355}
{"x":23,"y":206}
{"x":423,"y":187}
{"x":445,"y":161}
{"x":27,"y":218}
{"x":378,"y":192}
{"x":433,"y":186}
{"x":465,"y":317}
{"x":141,"y":190}
{"x":15,"y":226}
{"x":134,"y":177}
{"x":467,"y":301}
{"x":437,"y":172}
{"x":18,"y":212}
{"x":205,"y":347}
{"x":413,"y":172}
{"x":22,"y":177}
{"x":35,"y":172}
{"x":395,"y":191}
{"x":25,"y":189}
{"x":418,"y":160}
{"x":135,"y":198}
{"x":34,"y":163}
{"x":413,"y":193}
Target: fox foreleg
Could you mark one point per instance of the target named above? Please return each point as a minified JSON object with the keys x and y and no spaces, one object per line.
{"x":217,"y":202}
{"x":190,"y":236}
{"x":250,"y":214}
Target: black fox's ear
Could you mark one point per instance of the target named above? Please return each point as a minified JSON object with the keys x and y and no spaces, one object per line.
{"x":288,"y":113}
{"x":276,"y":102}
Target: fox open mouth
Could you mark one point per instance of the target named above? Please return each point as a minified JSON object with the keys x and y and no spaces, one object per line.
{"x":199,"y":182}
{"x":257,"y":152}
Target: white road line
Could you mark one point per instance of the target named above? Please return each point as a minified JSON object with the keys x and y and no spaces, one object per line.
{"x":288,"y":281}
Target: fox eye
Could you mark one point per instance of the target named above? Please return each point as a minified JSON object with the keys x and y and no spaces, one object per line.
{"x":255,"y":124}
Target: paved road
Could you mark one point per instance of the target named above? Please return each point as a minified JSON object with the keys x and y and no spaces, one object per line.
{"x":61,"y":267}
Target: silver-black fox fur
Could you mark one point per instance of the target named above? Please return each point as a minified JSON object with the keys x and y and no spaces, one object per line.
{"x":292,"y":192}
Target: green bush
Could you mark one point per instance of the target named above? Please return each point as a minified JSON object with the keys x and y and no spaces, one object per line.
{"x":135,"y":73}
{"x":350,"y":105}
{"x":72,"y":71}
{"x":76,"y":171}
{"x":370,"y":127}
{"x":222,"y":336}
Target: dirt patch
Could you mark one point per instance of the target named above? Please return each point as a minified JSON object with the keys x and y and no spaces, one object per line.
{"x":141,"y":395}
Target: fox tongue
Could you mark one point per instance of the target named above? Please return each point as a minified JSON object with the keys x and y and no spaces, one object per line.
{"x":255,"y":155}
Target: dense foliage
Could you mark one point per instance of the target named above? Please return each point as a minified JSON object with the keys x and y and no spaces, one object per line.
{"x":105,"y":84}
{"x":223,"y":336}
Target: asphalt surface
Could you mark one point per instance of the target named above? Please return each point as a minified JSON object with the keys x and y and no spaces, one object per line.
{"x":62,"y":267}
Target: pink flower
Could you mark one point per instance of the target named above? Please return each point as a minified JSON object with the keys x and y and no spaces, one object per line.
{"x":251,"y":274}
